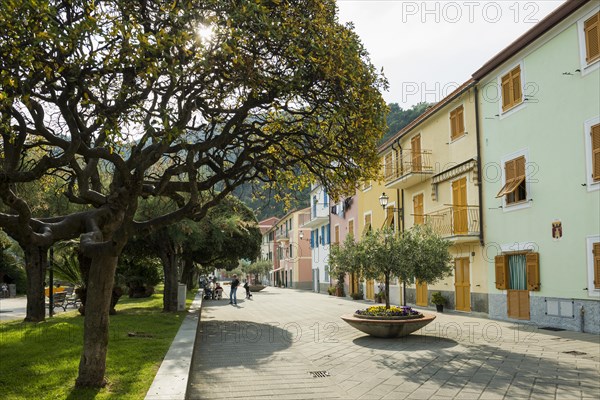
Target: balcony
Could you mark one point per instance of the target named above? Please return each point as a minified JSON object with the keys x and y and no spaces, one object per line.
{"x":457,"y":223}
{"x":412,"y":168}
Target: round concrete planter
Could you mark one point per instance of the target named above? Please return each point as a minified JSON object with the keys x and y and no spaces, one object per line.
{"x":387,"y":328}
{"x":257,"y":288}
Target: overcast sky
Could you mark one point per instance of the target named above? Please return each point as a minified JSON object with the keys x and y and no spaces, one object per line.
{"x":428,"y":48}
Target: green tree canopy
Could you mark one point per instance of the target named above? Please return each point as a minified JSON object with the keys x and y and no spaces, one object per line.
{"x":280,"y":91}
{"x":415,"y":254}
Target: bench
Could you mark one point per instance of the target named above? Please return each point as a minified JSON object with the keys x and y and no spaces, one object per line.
{"x":63,"y":297}
{"x":59,"y":300}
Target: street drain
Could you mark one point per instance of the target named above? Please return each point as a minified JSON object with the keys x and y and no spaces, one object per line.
{"x":575,"y":353}
{"x":319,"y":374}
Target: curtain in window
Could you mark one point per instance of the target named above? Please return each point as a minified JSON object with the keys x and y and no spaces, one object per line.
{"x":517,"y":265}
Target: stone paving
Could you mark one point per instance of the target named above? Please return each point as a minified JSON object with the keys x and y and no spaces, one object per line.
{"x":266,"y":348}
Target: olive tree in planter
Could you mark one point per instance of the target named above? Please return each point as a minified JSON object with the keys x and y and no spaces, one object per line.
{"x":415,"y":254}
{"x":347,"y":258}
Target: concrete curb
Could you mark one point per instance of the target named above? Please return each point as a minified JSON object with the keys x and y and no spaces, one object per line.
{"x":171,"y":380}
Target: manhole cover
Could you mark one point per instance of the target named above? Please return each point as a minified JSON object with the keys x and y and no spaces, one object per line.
{"x":550,"y":328}
{"x":575,"y":353}
{"x":319,"y":374}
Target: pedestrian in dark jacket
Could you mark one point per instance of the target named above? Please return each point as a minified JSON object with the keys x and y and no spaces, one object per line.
{"x":232,"y":294}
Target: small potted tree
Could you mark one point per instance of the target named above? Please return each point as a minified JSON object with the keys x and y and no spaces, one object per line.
{"x":439,"y":301}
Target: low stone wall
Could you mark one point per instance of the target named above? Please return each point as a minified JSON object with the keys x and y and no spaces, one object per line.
{"x":303,"y":285}
{"x":562,"y":313}
{"x":479,"y":301}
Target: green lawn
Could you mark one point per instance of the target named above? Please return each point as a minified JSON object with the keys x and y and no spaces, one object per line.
{"x":40,"y":361}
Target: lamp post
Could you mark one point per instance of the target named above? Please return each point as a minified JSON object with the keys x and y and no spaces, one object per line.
{"x":383,"y":201}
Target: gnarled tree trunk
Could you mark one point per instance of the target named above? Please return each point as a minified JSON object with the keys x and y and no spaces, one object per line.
{"x":189,"y":276}
{"x":36,"y":261}
{"x":92,"y":365}
{"x":170,"y":272}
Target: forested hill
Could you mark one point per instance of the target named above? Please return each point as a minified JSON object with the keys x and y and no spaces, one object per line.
{"x":262,"y":202}
{"x":398,"y":118}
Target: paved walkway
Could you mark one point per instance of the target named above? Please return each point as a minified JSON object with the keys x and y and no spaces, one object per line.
{"x":15,"y":308}
{"x":266,"y":348}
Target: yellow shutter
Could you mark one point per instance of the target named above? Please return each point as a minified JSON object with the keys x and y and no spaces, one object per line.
{"x":506,"y":97}
{"x":501,"y":272}
{"x":519,"y":167}
{"x":596,"y":251}
{"x":515,"y":76}
{"x":595,"y":152}
{"x":418,"y":209}
{"x":592,"y":38}
{"x":388,"y":164}
{"x":415,"y":144}
{"x":460,"y":118}
{"x":351,"y":227}
{"x":533,"y":271}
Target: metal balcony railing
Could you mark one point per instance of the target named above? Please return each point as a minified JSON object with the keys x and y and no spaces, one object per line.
{"x":454,"y":221}
{"x":410,"y":162}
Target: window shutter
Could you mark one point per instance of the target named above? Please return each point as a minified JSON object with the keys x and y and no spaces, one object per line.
{"x":460,"y":120}
{"x":506,"y":97}
{"x":515,"y":76}
{"x":595,"y":152}
{"x":520,"y":167}
{"x":328,"y":231}
{"x":323,"y":234}
{"x":596,"y":252}
{"x":592,"y":38}
{"x":453,"y":126}
{"x":312,"y":239}
{"x":533,"y":271}
{"x":501,"y":273}
{"x":510,"y":168}
{"x":388,"y":164}
{"x":351,"y":227}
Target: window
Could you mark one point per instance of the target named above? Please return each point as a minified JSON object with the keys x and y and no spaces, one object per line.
{"x":457,"y":123}
{"x":515,"y":188}
{"x":512,"y":94}
{"x":367,"y":227}
{"x":595,"y":141}
{"x":291,"y":255}
{"x":418,"y":217}
{"x":351,"y":227}
{"x":591,"y":29}
{"x":336,"y":234}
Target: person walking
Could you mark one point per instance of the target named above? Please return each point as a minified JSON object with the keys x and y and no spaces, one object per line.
{"x":234,"y":285}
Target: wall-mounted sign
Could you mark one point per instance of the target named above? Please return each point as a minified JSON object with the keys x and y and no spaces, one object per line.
{"x":557,"y":230}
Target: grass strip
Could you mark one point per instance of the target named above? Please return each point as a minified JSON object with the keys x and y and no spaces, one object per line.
{"x":40,"y":361}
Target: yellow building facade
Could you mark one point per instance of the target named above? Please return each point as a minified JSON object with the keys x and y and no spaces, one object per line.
{"x":431,"y":171}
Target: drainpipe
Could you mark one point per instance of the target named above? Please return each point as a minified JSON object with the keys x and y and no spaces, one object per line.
{"x":479,"y":181}
{"x":582,"y":314}
{"x":400,"y":196}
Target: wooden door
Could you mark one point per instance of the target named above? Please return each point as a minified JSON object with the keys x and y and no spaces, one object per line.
{"x":462,"y":284}
{"x":459,"y":207}
{"x":370,"y":295}
{"x":415,"y":144}
{"x":518,"y":304}
{"x":422,"y":294}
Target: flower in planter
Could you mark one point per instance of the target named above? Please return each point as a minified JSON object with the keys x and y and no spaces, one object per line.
{"x":393,"y":311}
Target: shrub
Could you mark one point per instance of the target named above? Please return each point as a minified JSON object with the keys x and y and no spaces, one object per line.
{"x":331,"y":290}
{"x":437,"y":298}
{"x":356,"y":296}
